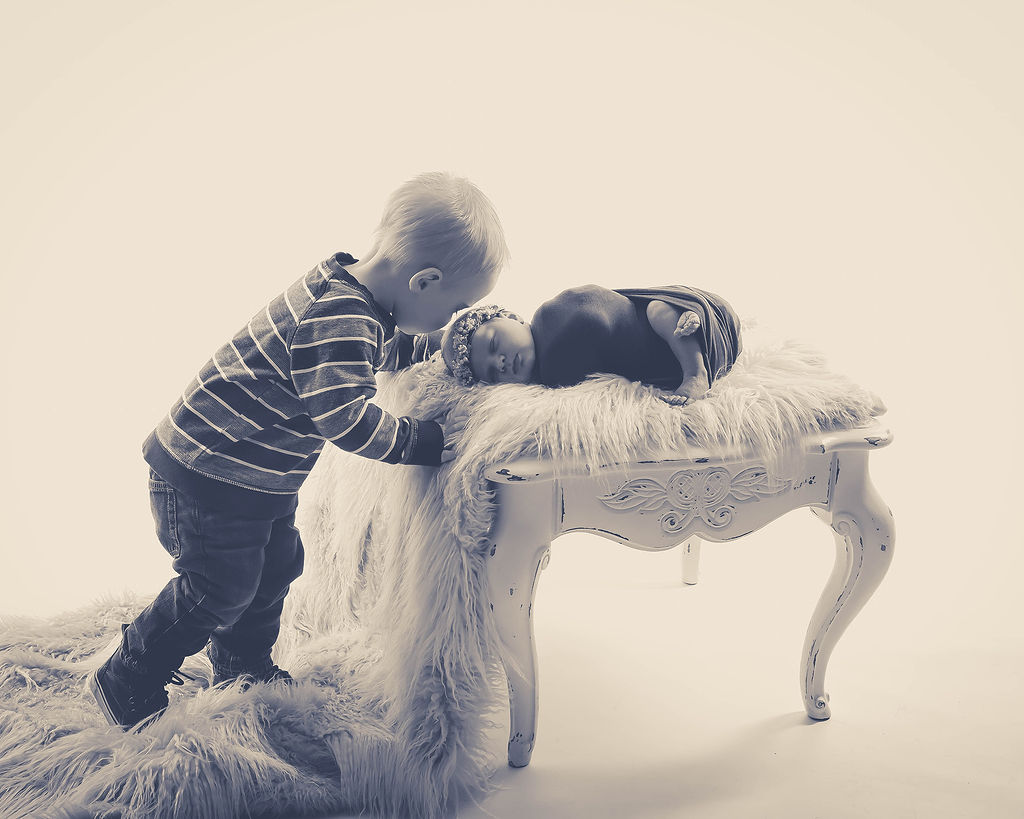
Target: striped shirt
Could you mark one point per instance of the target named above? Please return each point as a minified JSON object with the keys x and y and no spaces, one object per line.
{"x":300,"y":373}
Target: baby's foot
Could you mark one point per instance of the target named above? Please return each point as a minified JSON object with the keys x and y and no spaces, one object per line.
{"x":694,"y":387}
{"x":688,"y":324}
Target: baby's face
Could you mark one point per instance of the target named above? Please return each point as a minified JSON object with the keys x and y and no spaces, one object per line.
{"x":501,"y":351}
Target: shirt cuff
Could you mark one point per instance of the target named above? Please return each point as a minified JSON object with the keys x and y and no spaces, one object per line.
{"x":426,"y":440}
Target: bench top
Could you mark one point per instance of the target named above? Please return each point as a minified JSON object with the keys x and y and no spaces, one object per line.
{"x":520,"y":470}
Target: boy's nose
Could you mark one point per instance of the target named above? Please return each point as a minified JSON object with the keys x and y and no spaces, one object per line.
{"x":501,"y":362}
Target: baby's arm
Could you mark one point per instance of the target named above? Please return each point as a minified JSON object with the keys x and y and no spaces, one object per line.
{"x":677,"y":328}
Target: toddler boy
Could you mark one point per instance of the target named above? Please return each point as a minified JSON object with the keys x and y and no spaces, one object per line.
{"x":227,"y":462}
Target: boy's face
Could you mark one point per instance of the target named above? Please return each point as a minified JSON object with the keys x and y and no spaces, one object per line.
{"x":502,"y":351}
{"x":433,"y":298}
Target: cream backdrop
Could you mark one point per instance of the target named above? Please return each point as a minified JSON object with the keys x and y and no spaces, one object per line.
{"x":849,"y":173}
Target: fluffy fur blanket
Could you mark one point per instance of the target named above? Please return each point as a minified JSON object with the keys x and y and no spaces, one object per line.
{"x":387,"y":631}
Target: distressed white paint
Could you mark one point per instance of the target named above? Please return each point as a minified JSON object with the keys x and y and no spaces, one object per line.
{"x":691,"y":561}
{"x":657,"y":504}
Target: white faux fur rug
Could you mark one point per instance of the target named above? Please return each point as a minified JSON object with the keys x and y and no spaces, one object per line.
{"x":387,"y":631}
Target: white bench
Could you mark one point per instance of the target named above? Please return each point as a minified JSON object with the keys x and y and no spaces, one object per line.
{"x":658,"y":504}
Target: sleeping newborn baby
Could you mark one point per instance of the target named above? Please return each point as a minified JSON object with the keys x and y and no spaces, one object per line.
{"x":675,"y":337}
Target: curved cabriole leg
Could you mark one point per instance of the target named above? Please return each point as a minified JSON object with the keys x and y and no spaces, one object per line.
{"x":514,"y":620}
{"x":864,"y":536}
{"x":520,"y":548}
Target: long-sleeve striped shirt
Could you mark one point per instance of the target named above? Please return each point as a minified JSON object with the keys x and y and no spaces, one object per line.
{"x":300,"y":373}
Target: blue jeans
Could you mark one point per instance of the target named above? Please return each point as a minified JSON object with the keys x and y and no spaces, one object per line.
{"x":233,"y":575}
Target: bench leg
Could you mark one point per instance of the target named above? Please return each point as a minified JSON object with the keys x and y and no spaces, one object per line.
{"x":512,"y":594}
{"x":864,"y":535}
{"x":691,"y":561}
{"x":520,"y":548}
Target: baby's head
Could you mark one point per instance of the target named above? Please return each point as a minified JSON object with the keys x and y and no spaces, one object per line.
{"x":489,"y":344}
{"x":440,"y":234}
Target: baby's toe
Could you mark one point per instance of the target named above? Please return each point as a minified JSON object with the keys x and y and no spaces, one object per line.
{"x":674,"y":399}
{"x":688,"y":324}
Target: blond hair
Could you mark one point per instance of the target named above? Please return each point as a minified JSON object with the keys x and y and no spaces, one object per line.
{"x":441,"y":220}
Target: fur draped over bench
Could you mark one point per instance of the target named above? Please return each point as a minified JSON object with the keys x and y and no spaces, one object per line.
{"x":388,"y":629}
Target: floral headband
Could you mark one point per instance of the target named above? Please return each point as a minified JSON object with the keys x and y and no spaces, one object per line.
{"x":456,"y":343}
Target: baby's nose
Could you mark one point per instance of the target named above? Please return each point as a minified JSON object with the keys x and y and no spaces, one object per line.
{"x":501,"y":362}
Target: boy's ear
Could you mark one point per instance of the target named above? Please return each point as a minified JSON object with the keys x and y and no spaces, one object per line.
{"x":423,"y":279}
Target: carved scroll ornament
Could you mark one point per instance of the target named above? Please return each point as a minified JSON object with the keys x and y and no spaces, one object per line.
{"x":710,"y":494}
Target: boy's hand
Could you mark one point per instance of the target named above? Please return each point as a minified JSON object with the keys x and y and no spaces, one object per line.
{"x":453,"y":427}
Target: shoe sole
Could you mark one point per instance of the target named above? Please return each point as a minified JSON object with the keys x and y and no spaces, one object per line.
{"x":93,"y":686}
